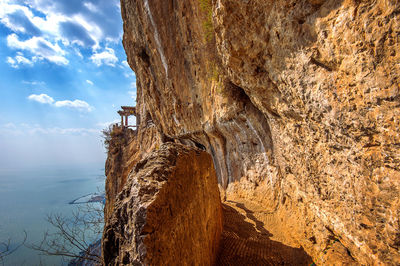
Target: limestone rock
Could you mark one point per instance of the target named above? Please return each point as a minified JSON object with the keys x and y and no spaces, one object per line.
{"x":124,"y":151}
{"x":298,"y":104}
{"x":168,"y":212}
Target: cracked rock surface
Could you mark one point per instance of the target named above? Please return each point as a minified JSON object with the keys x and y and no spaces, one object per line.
{"x":169,"y":212}
{"x":296,"y":102}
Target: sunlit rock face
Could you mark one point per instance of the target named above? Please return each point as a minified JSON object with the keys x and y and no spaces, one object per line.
{"x":124,"y":151}
{"x":169,"y":212}
{"x":298,"y":104}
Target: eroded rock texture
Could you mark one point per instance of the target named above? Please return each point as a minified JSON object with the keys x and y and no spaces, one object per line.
{"x":124,"y":151}
{"x":298,"y":104}
{"x":169,"y":213}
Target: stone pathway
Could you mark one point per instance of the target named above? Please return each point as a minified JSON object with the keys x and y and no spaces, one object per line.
{"x":249,"y":243}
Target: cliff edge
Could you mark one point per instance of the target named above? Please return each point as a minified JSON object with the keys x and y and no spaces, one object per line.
{"x":297,"y":104}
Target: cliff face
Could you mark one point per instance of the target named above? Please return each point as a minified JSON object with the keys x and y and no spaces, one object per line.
{"x":124,"y":151}
{"x":169,"y":212}
{"x":298,"y":104}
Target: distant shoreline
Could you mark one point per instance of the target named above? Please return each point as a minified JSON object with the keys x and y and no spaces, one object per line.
{"x":94,"y":197}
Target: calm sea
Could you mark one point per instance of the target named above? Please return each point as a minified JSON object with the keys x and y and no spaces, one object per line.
{"x":28,"y":196}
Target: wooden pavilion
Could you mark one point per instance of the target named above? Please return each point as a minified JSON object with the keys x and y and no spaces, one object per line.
{"x":126,"y":112}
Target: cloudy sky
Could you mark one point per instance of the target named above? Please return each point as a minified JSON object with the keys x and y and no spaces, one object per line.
{"x":63,"y":76}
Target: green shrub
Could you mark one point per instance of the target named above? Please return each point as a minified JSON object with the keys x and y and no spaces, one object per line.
{"x":108,"y":134}
{"x":208,"y":26}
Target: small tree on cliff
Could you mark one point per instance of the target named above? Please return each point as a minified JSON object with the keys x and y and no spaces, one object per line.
{"x":107,"y":135}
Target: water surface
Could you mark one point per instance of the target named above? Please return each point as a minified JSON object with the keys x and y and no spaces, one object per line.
{"x":28,"y":196}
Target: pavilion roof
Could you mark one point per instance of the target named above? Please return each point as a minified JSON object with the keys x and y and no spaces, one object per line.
{"x":127,"y":110}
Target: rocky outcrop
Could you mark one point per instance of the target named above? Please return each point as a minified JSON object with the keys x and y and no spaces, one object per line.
{"x":121,"y":149}
{"x":124,"y":151}
{"x":298,"y":104}
{"x":169,"y":212}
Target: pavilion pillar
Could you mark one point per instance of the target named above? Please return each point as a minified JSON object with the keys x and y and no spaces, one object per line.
{"x":126,"y":120}
{"x":122,"y":121}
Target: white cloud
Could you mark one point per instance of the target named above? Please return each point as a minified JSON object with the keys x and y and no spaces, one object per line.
{"x":64,"y":131}
{"x":132,"y":94}
{"x":133,"y":85}
{"x":41,"y":98}
{"x":7,"y":9}
{"x":11,"y":128}
{"x":41,"y":48}
{"x":76,"y":104}
{"x":78,"y":53}
{"x":91,"y":7}
{"x":10,"y":125}
{"x":125,"y":63}
{"x":106,"y":57}
{"x":103,"y":125}
{"x":102,"y":18}
{"x":20,"y":18}
{"x":129,"y":74}
{"x":22,"y":60}
{"x":12,"y":62}
{"x":99,"y":20}
{"x":74,"y":24}
{"x":89,"y":82}
{"x":34,"y":83}
{"x":19,"y":60}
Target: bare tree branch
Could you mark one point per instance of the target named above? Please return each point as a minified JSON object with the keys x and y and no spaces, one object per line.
{"x":6,"y":250}
{"x":74,"y":236}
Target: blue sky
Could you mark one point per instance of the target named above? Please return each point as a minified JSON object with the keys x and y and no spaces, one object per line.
{"x":63,"y":76}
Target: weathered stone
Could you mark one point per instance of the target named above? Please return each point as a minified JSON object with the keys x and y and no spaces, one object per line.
{"x":298,"y":104}
{"x":169,"y":212}
{"x":124,"y":151}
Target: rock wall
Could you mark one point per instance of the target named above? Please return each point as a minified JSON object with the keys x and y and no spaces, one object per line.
{"x":298,"y":104}
{"x":169,"y":212}
{"x":121,"y":147}
{"x":124,"y":151}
